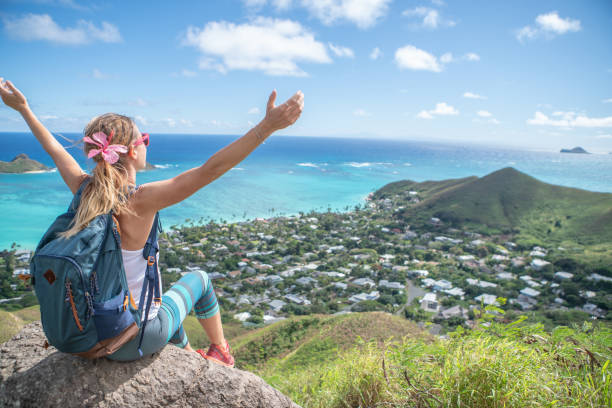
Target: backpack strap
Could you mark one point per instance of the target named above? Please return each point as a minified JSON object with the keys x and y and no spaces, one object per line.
{"x":74,"y":204}
{"x":150,"y":285}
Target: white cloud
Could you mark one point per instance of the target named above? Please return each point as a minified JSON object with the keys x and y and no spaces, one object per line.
{"x":431,"y":18}
{"x":97,"y":74}
{"x":273,"y":46}
{"x":186,"y":122}
{"x":446,"y":58}
{"x":410,"y":57}
{"x":376,"y":53}
{"x":441,"y":109}
{"x":488,"y":117}
{"x":188,"y":73}
{"x":363,"y":13}
{"x":607,"y":100}
{"x":279,"y":5}
{"x":361,"y":113}
{"x":255,"y":3}
{"x":552,"y":22}
{"x":253,"y":111}
{"x":470,"y":56}
{"x":170,"y":122}
{"x":282,"y":4}
{"x":471,"y":95}
{"x":34,"y":27}
{"x":603,"y":137}
{"x":424,"y":115}
{"x":341,"y":51}
{"x":444,"y":109}
{"x":142,"y":120}
{"x":48,"y":117}
{"x":548,"y":25}
{"x":569,"y":120}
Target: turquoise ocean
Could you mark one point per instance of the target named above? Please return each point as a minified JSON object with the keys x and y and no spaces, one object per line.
{"x":282,"y":177}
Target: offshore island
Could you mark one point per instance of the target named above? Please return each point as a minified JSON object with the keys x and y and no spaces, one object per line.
{"x":22,"y":164}
{"x":469,"y":276}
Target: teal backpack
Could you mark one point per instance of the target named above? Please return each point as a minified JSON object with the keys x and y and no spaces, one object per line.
{"x":86,"y":307}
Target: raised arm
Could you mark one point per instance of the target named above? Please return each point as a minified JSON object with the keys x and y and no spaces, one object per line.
{"x":161,"y":194}
{"x":66,"y":164}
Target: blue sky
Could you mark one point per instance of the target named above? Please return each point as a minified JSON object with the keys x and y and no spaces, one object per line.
{"x":536,"y":74}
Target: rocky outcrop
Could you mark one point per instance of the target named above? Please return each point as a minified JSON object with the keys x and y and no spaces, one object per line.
{"x":577,"y":149}
{"x":22,"y":164}
{"x":32,"y":376}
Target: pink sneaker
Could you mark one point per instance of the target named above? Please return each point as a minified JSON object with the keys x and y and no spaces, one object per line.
{"x":218,"y":354}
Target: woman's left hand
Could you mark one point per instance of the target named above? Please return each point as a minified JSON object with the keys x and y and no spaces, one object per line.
{"x":12,"y":97}
{"x":283,"y":115}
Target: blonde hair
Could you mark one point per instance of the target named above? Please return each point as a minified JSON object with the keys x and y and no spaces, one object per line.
{"x":109,"y":187}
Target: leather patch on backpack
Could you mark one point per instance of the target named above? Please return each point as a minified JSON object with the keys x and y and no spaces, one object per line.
{"x":50,"y":276}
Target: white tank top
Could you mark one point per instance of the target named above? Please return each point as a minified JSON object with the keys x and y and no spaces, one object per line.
{"x":135,"y":266}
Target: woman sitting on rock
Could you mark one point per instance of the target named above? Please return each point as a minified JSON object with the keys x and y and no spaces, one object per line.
{"x":119,"y":150}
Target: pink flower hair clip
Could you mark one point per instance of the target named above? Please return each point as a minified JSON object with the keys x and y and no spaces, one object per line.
{"x":109,"y":151}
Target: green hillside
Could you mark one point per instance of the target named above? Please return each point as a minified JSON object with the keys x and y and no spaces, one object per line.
{"x":492,"y":367}
{"x":513,"y":202}
{"x":12,"y":322}
{"x":310,"y":340}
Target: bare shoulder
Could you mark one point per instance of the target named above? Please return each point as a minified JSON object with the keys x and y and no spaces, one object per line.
{"x":142,"y":202}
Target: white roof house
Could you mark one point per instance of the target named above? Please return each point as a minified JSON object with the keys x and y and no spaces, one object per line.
{"x":364,"y":282}
{"x":538,"y":264}
{"x":242,"y":316}
{"x":481,"y":283}
{"x":391,"y":285}
{"x":487,"y":299}
{"x":364,"y":296}
{"x":429,"y":303}
{"x":530,"y":292}
{"x":563,"y":275}
{"x":455,"y":292}
{"x":276,"y":304}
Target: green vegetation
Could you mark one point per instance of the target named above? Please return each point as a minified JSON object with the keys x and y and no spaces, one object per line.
{"x":305,"y":340}
{"x":12,"y":322}
{"x":510,"y":201}
{"x":510,"y":365}
{"x":21,"y":164}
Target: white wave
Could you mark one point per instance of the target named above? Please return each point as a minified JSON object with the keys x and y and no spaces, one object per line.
{"x":307,"y":164}
{"x":356,"y":164}
{"x":407,"y":164}
{"x":164,"y":166}
{"x":290,"y":172}
{"x":367,"y":164}
{"x":53,"y":170}
{"x":237,"y":168}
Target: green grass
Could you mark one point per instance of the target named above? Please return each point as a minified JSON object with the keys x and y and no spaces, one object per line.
{"x":197,"y":336}
{"x":309,"y":341}
{"x":12,"y":322}
{"x":503,"y":367}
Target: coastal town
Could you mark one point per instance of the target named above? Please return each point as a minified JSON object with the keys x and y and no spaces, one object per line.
{"x":265,"y":270}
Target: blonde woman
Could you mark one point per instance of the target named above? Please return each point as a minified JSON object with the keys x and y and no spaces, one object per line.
{"x":119,"y":150}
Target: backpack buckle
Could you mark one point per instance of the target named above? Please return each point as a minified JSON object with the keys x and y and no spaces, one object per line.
{"x":151,"y":261}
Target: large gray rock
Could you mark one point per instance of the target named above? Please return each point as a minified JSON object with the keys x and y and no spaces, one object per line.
{"x":31,"y":375}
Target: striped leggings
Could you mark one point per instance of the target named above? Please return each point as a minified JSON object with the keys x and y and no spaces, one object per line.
{"x":194,"y":290}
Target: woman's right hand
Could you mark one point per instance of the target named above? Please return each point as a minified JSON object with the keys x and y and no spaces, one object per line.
{"x":11,"y":96}
{"x":281,"y":116}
